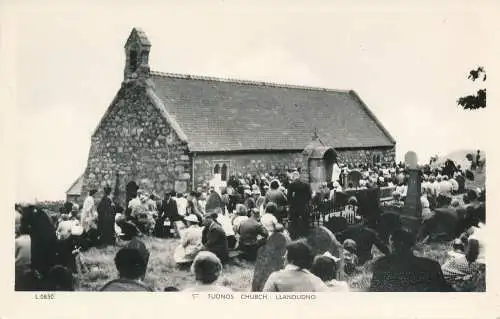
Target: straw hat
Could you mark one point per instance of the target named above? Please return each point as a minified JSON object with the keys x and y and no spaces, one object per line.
{"x":191,"y":218}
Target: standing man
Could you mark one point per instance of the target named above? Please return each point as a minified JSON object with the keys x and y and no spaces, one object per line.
{"x":89,"y":217}
{"x":300,"y":196}
{"x":168,"y":210}
{"x":106,"y":218}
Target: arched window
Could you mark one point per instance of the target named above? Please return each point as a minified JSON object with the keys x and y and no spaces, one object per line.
{"x":217,"y":169}
{"x":224,"y":172}
{"x":376,"y":159}
{"x":133,"y":60}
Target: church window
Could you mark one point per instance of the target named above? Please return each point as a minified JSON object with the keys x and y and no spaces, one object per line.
{"x":217,"y":169}
{"x":133,"y":60}
{"x":224,"y":172}
{"x":377,"y":158}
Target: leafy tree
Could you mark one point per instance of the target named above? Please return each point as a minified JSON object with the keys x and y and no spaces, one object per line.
{"x":477,"y":100}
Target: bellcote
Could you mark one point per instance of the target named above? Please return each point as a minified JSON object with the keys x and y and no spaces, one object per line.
{"x":137,"y":50}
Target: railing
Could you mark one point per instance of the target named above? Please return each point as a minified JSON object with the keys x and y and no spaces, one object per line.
{"x":339,"y":208}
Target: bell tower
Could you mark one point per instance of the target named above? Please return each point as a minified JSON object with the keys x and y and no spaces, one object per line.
{"x":137,"y":50}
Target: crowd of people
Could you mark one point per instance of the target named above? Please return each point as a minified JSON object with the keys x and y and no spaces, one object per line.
{"x":212,"y":225}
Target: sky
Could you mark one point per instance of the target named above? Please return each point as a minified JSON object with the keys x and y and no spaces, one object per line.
{"x":408,"y":63}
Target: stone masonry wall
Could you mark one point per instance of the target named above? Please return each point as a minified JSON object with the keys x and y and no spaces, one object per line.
{"x":387,"y":156}
{"x":253,"y":163}
{"x":135,"y":142}
{"x":277,"y":162}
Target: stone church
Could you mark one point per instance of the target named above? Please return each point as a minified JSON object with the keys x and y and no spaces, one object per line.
{"x":173,"y":132}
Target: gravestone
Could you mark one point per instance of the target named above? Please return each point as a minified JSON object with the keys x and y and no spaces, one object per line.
{"x":322,"y":240}
{"x":354,"y":177}
{"x":412,"y":208}
{"x":214,"y":201}
{"x":270,"y":258}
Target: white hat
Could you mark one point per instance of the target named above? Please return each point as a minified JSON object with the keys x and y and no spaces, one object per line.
{"x":332,"y":257}
{"x":336,"y":184}
{"x":248,"y":192}
{"x":191,"y":218}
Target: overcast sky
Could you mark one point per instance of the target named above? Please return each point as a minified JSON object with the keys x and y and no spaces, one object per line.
{"x":409,"y":64}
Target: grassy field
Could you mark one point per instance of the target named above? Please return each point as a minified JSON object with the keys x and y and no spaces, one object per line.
{"x":162,"y":271}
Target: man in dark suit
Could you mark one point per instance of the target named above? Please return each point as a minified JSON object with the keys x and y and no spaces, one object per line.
{"x":299,"y":199}
{"x":168,"y":210}
{"x":214,"y":238}
{"x":106,"y":212}
{"x":402,"y":271}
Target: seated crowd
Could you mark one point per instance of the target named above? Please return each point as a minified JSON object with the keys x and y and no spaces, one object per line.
{"x":214,"y":226}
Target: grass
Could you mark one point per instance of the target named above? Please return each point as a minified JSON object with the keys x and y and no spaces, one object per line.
{"x":162,"y":271}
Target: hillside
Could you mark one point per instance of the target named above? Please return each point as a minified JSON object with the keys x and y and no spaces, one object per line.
{"x":458,"y":157}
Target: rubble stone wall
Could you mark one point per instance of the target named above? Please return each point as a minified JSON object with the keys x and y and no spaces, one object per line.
{"x":135,"y":141}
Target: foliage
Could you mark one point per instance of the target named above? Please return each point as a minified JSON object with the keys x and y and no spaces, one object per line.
{"x":477,"y":100}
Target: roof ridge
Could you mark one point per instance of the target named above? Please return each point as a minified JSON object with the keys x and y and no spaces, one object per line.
{"x":241,"y":81}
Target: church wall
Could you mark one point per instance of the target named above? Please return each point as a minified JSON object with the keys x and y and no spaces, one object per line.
{"x":277,"y":162}
{"x":257,"y":163}
{"x":385,"y":156}
{"x":136,"y":142}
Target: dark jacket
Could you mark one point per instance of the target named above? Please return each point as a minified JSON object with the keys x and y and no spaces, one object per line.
{"x":214,"y":239}
{"x":299,"y":199}
{"x":106,"y":220}
{"x":408,"y":273}
{"x":249,"y":230}
{"x":276,"y":196}
{"x":169,"y":210}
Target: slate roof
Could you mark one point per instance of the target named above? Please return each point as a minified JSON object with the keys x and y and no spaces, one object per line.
{"x":235,"y":115}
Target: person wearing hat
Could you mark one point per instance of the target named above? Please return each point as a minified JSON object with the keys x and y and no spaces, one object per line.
{"x":168,"y":210}
{"x":191,"y":243}
{"x":326,"y":268}
{"x":214,"y":238}
{"x":106,"y":211}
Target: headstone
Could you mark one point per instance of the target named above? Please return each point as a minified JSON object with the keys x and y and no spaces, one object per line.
{"x":322,"y":240}
{"x":412,"y":208}
{"x":270,"y":258}
{"x":411,"y":160}
{"x":214,"y":201}
{"x":354,"y":177}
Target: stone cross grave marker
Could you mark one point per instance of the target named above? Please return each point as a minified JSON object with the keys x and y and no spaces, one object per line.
{"x":412,"y":208}
{"x":270,"y":258}
{"x":354,"y":177}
